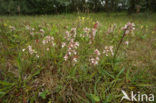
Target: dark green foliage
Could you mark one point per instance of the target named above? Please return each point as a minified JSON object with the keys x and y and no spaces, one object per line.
{"x":65,"y":6}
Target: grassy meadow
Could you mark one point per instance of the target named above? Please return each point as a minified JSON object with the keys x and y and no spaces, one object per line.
{"x":76,"y":58}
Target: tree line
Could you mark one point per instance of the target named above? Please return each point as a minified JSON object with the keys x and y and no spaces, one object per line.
{"x":68,"y":6}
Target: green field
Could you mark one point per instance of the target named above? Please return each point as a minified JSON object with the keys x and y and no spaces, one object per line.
{"x":60,"y":59}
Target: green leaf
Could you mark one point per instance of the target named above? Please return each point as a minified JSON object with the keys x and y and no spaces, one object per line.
{"x":122,"y":70}
{"x":144,"y":85}
{"x":95,"y":98}
{"x":34,"y":74}
{"x":44,"y":94}
{"x":95,"y":87}
{"x":2,"y":94}
{"x":105,"y":72}
{"x":4,"y":83}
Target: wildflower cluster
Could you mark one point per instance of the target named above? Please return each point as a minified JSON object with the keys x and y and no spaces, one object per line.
{"x":71,"y":45}
{"x":70,"y":35}
{"x":86,"y":32}
{"x":108,"y":50}
{"x":126,"y":43}
{"x":71,"y":51}
{"x":31,"y":51}
{"x":48,"y":39}
{"x":95,"y":60}
{"x":32,"y":30}
{"x":42,"y":31}
{"x":129,"y":27}
{"x":90,"y":32}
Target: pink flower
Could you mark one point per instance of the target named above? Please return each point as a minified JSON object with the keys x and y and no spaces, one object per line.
{"x":129,"y":27}
{"x":67,"y":36}
{"x":63,"y":44}
{"x":48,"y":39}
{"x":76,"y":44}
{"x":47,"y":49}
{"x":75,"y":59}
{"x":95,"y":60}
{"x":126,"y":42}
{"x":42,"y":31}
{"x":67,"y":33}
{"x":71,"y":50}
{"x":32,"y":33}
{"x":66,"y":57}
{"x":71,"y":45}
{"x":31,"y":51}
{"x":73,"y":32}
{"x":86,"y":30}
{"x":97,"y":52}
{"x":108,"y":50}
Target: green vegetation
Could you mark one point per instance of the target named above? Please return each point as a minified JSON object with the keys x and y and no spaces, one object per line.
{"x":40,"y":62}
{"x":34,"y":7}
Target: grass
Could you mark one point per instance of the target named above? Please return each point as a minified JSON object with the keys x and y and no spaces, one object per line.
{"x":27,"y":78}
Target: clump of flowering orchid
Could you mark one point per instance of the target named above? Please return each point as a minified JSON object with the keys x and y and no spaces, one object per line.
{"x":31,"y":51}
{"x":70,"y":35}
{"x":86,"y":32}
{"x":72,"y":51}
{"x":90,"y":32}
{"x":108,"y":50}
{"x":128,"y":28}
{"x":96,"y":57}
{"x":126,"y":43}
{"x":71,"y":45}
{"x":48,"y":39}
{"x":42,"y":31}
{"x":33,"y":31}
